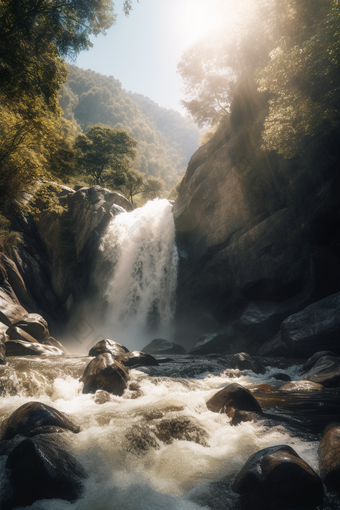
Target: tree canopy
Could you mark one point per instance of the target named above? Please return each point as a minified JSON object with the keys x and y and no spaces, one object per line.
{"x":104,"y":154}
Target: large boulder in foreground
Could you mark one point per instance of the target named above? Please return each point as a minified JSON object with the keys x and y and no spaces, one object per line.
{"x":105,"y":373}
{"x":109,"y":346}
{"x":315,"y":328}
{"x":32,"y":324}
{"x":233,"y":398}
{"x":34,"y":417}
{"x":277,"y":477}
{"x":40,"y":468}
{"x":161,"y":346}
{"x":137,"y":358}
{"x":329,"y":457}
{"x":326,"y":371}
{"x":21,"y":348}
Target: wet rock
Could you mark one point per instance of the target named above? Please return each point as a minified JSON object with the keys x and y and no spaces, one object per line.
{"x":109,"y":346}
{"x":219,"y":342}
{"x":326,"y":371}
{"x":10,"y":308}
{"x":244,"y":416}
{"x":2,"y":349}
{"x":140,"y":439}
{"x":233,"y":397}
{"x":244,"y":361}
{"x":273,"y":347}
{"x":21,"y":348}
{"x":137,"y":358}
{"x":54,"y":343}
{"x":32,"y":416}
{"x":181,"y":429}
{"x":314,"y":328}
{"x":161,"y":346}
{"x":40,"y":468}
{"x":15,"y":333}
{"x":313,"y":359}
{"x":281,"y":377}
{"x":302,"y":385}
{"x":105,"y":373}
{"x":101,"y":397}
{"x":329,"y":457}
{"x":277,"y":477}
{"x":32,"y":324}
{"x":256,"y":387}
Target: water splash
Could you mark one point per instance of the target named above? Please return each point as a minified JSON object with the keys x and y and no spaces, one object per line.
{"x":137,"y":267}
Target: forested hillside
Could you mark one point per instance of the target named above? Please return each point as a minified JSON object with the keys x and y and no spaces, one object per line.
{"x":165,"y":139}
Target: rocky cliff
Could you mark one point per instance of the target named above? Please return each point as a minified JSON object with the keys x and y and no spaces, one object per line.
{"x":246,"y":261}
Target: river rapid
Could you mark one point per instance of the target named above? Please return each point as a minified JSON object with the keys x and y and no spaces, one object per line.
{"x":127,"y":470}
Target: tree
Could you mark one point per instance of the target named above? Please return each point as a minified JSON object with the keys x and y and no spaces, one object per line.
{"x":105,"y":154}
{"x":135,"y":183}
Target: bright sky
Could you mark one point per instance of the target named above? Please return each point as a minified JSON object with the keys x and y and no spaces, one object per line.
{"x":142,"y":50}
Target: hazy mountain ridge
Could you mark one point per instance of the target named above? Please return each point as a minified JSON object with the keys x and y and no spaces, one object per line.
{"x":166,"y":140}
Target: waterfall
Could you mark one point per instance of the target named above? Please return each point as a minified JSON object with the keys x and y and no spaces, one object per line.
{"x":137,"y":273}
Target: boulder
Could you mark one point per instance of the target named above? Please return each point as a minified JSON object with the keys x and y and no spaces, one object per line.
{"x":105,"y":373}
{"x":273,"y":347}
{"x":244,"y":361}
{"x":54,"y":343}
{"x":280,"y":376}
{"x":32,"y":416}
{"x":21,"y":348}
{"x":302,"y":385}
{"x":10,"y":308}
{"x":316,"y":356}
{"x":40,"y":468}
{"x":181,"y":429}
{"x":32,"y":324}
{"x":326,"y":371}
{"x":161,"y":346}
{"x":224,"y":340}
{"x":315,"y":328}
{"x":109,"y":346}
{"x":277,"y":477}
{"x":15,"y":333}
{"x":329,"y":457}
{"x":137,"y":358}
{"x":101,"y":397}
{"x":233,"y":397}
{"x":139,"y":439}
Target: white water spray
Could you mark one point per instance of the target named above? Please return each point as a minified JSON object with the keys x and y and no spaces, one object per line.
{"x":138,"y":266}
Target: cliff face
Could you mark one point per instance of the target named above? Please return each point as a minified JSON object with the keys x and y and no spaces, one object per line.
{"x":237,"y":247}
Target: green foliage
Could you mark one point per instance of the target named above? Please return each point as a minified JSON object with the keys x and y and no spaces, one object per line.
{"x":104,"y":154}
{"x":166,"y":140}
{"x":9,"y":239}
{"x":136,"y":184}
{"x":45,"y":199}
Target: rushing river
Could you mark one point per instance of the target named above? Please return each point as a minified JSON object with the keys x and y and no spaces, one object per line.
{"x":128,"y":471}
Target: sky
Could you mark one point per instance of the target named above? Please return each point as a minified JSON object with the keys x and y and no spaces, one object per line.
{"x":142,"y":51}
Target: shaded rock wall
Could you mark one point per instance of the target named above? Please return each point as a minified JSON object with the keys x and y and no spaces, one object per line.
{"x":237,"y":246}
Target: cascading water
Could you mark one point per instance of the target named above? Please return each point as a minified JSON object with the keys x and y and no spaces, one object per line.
{"x":137,"y":268}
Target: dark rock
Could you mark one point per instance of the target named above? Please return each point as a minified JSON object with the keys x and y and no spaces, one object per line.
{"x":181,"y":429}
{"x":233,"y":397}
{"x":260,"y":387}
{"x":244,"y":416}
{"x":32,"y":324}
{"x":139,"y":439}
{"x":301,"y":386}
{"x":313,"y":359}
{"x":20,"y":348}
{"x":225,"y":339}
{"x":281,"y":377}
{"x":315,"y":328}
{"x":101,"y":397}
{"x":329,"y":457}
{"x":273,"y":347}
{"x":137,"y":358}
{"x":15,"y":333}
{"x":161,"y":346}
{"x":105,"y":373}
{"x":109,"y":346}
{"x":40,"y":468}
{"x":277,"y":477}
{"x":326,"y":371}
{"x":35,"y":415}
{"x":54,"y":343}
{"x":244,"y":361}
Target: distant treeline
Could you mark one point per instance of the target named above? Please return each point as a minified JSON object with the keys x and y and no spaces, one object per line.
{"x":166,"y":140}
